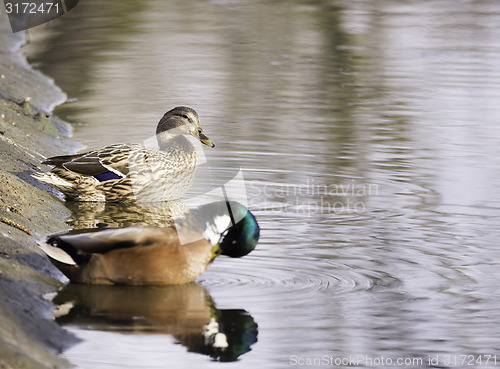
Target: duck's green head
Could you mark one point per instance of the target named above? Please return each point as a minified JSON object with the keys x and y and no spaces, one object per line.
{"x":242,"y":235}
{"x":183,"y":120}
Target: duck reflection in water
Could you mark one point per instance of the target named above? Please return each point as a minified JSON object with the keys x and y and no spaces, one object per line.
{"x":187,"y":312}
{"x":89,"y":216}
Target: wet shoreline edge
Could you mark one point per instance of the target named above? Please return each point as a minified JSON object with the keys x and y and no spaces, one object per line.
{"x":29,"y":338}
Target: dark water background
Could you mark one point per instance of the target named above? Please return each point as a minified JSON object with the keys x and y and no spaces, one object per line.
{"x":368,"y":136}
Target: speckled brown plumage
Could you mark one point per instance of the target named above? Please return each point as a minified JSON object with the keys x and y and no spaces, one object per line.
{"x":133,"y":172}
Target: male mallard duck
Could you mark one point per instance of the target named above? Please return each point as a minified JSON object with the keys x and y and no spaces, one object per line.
{"x":156,"y":256}
{"x":131,"y":171}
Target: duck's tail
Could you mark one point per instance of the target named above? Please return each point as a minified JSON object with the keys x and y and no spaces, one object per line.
{"x":56,"y":253}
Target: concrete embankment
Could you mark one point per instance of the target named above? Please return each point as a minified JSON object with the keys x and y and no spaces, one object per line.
{"x":29,"y":338}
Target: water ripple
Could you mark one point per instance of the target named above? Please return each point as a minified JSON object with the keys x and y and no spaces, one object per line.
{"x":300,"y":275}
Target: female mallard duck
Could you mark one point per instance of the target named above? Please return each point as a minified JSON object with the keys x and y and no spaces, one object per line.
{"x":131,"y":171}
{"x":146,"y":255}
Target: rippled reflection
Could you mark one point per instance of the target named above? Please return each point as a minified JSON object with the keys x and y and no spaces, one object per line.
{"x":90,"y":215}
{"x":186,"y":312}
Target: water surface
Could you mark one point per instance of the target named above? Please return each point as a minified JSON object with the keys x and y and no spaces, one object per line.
{"x":367,"y":135}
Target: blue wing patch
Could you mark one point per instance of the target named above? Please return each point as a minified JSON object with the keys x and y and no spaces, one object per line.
{"x":107,"y":176}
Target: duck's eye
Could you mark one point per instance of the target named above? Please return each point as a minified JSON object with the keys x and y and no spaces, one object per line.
{"x":185,"y":116}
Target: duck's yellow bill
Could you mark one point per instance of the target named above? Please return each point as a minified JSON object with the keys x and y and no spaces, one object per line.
{"x":216,"y":251}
